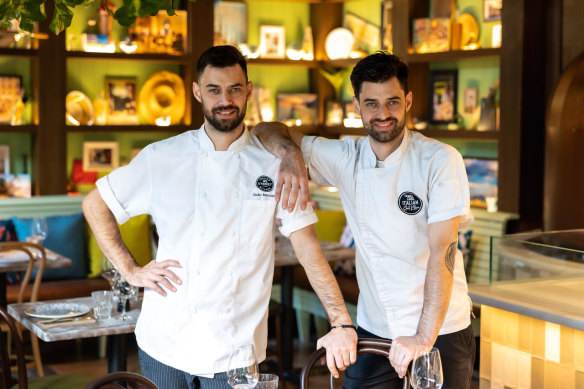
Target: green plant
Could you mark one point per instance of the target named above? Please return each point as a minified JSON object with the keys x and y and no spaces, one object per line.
{"x":27,"y":12}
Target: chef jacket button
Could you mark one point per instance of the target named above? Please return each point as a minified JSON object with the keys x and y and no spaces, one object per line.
{"x":195,"y":310}
{"x":233,"y":233}
{"x":197,"y":273}
{"x":203,"y":194}
{"x":227,"y":310}
{"x":204,"y":154}
{"x":237,"y":156}
{"x":201,"y":233}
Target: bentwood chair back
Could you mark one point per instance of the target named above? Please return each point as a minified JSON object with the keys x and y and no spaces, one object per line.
{"x":6,"y":380}
{"x":122,"y":380}
{"x":37,"y":259}
{"x":364,"y":346}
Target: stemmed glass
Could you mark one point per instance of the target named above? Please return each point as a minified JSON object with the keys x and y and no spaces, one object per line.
{"x":39,"y":230}
{"x":109,"y":272}
{"x":243,"y":372}
{"x":427,"y":370}
{"x":123,"y":291}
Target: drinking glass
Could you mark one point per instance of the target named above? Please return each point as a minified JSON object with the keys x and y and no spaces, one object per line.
{"x":39,"y":230}
{"x":243,"y":372}
{"x":109,"y":272}
{"x":267,"y":381}
{"x":123,"y":291}
{"x":427,"y":370}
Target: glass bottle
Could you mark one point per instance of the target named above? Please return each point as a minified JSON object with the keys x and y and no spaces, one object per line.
{"x":100,"y":108}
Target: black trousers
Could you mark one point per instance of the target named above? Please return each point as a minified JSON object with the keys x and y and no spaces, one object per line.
{"x":457,"y":352}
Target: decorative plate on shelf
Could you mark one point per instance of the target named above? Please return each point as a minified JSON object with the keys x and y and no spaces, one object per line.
{"x":162,"y":99}
{"x":469,"y":29}
{"x":79,"y":109}
{"x":57,"y":310}
{"x":339,"y":43}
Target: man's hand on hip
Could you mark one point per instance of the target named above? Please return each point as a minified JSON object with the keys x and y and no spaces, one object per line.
{"x":341,"y":349}
{"x":155,"y":275}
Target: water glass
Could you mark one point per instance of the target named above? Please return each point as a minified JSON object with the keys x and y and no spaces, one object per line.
{"x":267,"y":381}
{"x":242,"y":372}
{"x":103,"y":304}
{"x":427,"y":370}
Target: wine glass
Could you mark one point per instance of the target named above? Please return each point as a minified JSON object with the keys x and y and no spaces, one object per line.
{"x":427,"y":370}
{"x":39,"y":230}
{"x":109,"y":272}
{"x":243,"y":370}
{"x":123,"y":291}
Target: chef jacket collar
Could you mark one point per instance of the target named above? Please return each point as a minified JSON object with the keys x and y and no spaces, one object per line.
{"x":370,"y":160}
{"x":207,"y":144}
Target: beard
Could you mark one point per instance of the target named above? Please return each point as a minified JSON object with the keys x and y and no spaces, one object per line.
{"x":225,"y":125}
{"x":386,"y":136}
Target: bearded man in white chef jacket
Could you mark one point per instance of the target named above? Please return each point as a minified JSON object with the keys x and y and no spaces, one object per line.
{"x":210,"y":193}
{"x":405,"y":197}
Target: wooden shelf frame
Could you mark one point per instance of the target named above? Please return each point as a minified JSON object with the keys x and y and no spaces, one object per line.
{"x":141,"y":57}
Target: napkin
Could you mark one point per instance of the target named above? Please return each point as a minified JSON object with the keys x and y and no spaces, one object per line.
{"x":69,"y":322}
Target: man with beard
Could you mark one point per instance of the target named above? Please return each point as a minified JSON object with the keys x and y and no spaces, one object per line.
{"x":210,"y":193}
{"x":405,"y":197}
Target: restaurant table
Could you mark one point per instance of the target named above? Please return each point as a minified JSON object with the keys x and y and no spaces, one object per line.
{"x":15,"y":260}
{"x":115,"y":329}
{"x":286,"y":260}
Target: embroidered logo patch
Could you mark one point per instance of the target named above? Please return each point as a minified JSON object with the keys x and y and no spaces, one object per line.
{"x":409,"y":203}
{"x":265,"y":183}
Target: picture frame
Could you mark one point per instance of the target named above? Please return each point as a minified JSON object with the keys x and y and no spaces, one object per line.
{"x":482,"y":176}
{"x":100,"y":156}
{"x":334,"y":114}
{"x":4,"y":160}
{"x":492,"y":10}
{"x":431,"y":35}
{"x":386,"y":38}
{"x":470,"y":100}
{"x":121,"y":95}
{"x":272,"y":42}
{"x":443,"y":96}
{"x":10,"y":91}
{"x":230,"y":26}
{"x":367,"y":34}
{"x":297,"y":108}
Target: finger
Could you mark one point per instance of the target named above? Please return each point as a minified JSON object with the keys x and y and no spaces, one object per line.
{"x":163,"y":281}
{"x":330,"y":361}
{"x":353,"y":355}
{"x":168,"y":263}
{"x":285,"y":195}
{"x":154,"y":286}
{"x":303,"y":197}
{"x":279,"y":186}
{"x":293,"y":197}
{"x":171,"y":275}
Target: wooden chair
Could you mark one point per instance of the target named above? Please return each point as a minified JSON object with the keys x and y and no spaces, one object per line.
{"x":364,"y":346}
{"x":37,"y":259}
{"x":115,"y":380}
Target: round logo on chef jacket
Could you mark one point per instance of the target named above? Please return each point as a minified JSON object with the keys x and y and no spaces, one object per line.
{"x":409,"y":203}
{"x":265,"y":183}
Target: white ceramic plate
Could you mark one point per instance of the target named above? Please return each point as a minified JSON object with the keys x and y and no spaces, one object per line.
{"x":339,"y":43}
{"x":57,"y":310}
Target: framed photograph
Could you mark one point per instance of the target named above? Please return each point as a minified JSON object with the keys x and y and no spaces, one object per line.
{"x":4,"y":159}
{"x":10,"y":92}
{"x":443,"y":98}
{"x":334,"y":113}
{"x":386,"y":33}
{"x":100,"y":156}
{"x":482,"y":179}
{"x":230,"y":22}
{"x":366,"y":34}
{"x":492,"y":10}
{"x":470,"y":99}
{"x":297,"y":108}
{"x":431,"y":35}
{"x":121,"y":99}
{"x":272,"y":42}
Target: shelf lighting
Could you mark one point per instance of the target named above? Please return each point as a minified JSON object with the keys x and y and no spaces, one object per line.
{"x":162,"y":121}
{"x":352,"y":121}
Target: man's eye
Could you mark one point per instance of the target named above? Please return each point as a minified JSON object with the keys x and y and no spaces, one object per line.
{"x":235,"y":90}
{"x":371,"y":104}
{"x":213,"y":90}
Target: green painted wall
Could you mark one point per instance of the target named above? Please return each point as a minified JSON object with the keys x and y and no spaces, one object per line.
{"x":20,"y":146}
{"x":293,"y":16}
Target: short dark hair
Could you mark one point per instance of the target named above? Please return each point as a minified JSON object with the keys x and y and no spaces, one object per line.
{"x":221,"y":57}
{"x":379,"y":67}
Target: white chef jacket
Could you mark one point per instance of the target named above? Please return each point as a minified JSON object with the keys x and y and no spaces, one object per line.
{"x":214,"y":212}
{"x":388,"y":210}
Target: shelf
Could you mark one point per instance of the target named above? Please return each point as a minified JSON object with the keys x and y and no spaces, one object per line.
{"x":129,"y":128}
{"x":340,"y":63}
{"x":432,"y":133}
{"x":152,"y":57}
{"x":453,"y":55}
{"x":23,"y":129}
{"x":18,"y":52}
{"x":281,"y":62}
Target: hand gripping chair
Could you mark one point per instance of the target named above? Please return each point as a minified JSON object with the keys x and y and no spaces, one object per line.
{"x":114,"y":380}
{"x":364,"y":346}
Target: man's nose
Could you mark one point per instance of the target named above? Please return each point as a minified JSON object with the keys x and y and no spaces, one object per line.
{"x":226,"y":98}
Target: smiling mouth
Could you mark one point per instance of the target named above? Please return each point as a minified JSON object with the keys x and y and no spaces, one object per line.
{"x":384,"y":125}
{"x":225,"y":112}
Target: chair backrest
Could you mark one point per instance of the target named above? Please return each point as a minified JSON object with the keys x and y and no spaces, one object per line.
{"x":17,"y":347}
{"x":121,"y":380}
{"x":38,"y":260}
{"x":364,"y":346}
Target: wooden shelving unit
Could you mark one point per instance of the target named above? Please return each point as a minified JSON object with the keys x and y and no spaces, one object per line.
{"x":166,"y":58}
{"x":456,"y":55}
{"x":22,"y":129}
{"x":128,"y":128}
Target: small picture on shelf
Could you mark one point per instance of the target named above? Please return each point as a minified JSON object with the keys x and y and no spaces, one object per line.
{"x":272,"y":42}
{"x":18,"y":185}
{"x":121,"y":97}
{"x":297,"y":109}
{"x":259,"y":107}
{"x":386,"y":31}
{"x":470,"y":100}
{"x":230,"y":22}
{"x":334,"y":113}
{"x":4,"y":159}
{"x":492,"y":10}
{"x":100,"y":156}
{"x":10,"y":93}
{"x":352,"y":117}
{"x":431,"y":35}
{"x":366,"y":34}
{"x":482,"y":180}
{"x":443,"y":97}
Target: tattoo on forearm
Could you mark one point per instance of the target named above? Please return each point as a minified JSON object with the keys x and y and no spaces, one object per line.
{"x":450,"y":256}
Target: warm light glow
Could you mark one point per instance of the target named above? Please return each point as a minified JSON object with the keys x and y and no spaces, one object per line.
{"x":267,"y":114}
{"x":295,"y":55}
{"x":162,"y":121}
{"x":99,"y":48}
{"x":552,"y":342}
{"x":298,"y":122}
{"x":351,"y":121}
{"x":331,"y":189}
{"x":246,"y":51}
{"x":128,"y":48}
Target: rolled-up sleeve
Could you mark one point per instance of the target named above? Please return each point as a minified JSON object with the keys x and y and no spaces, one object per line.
{"x":127,"y":190}
{"x":295,"y":220}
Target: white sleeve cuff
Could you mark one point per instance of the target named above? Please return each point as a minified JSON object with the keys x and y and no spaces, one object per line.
{"x":306,"y":147}
{"x":108,"y":196}
{"x":298,"y":224}
{"x":467,"y":217}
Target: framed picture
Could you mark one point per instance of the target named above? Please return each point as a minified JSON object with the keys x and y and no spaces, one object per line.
{"x":10,"y":92}
{"x":470,"y":99}
{"x":492,"y":10}
{"x":121,"y":99}
{"x":431,"y":35}
{"x":482,"y":179}
{"x":386,"y":33}
{"x":100,"y":156}
{"x":297,"y":108}
{"x":4,"y":159}
{"x":272,"y":42}
{"x":443,"y":99}
{"x":366,"y":34}
{"x":334,"y":113}
{"x":230,"y":22}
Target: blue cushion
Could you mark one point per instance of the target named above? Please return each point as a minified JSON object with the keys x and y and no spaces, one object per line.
{"x":66,"y":236}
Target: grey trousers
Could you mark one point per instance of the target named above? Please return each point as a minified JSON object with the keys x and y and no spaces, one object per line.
{"x":166,"y":377}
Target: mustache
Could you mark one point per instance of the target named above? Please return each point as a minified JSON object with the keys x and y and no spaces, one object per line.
{"x":389,"y":118}
{"x":216,"y":109}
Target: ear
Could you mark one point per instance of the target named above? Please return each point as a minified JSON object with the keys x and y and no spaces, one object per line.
{"x":197,"y":92}
{"x":409,"y":99}
{"x":249,"y":90}
{"x":356,"y":105}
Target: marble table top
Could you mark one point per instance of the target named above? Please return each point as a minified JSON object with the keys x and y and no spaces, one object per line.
{"x":15,"y":260}
{"x":112,"y":326}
